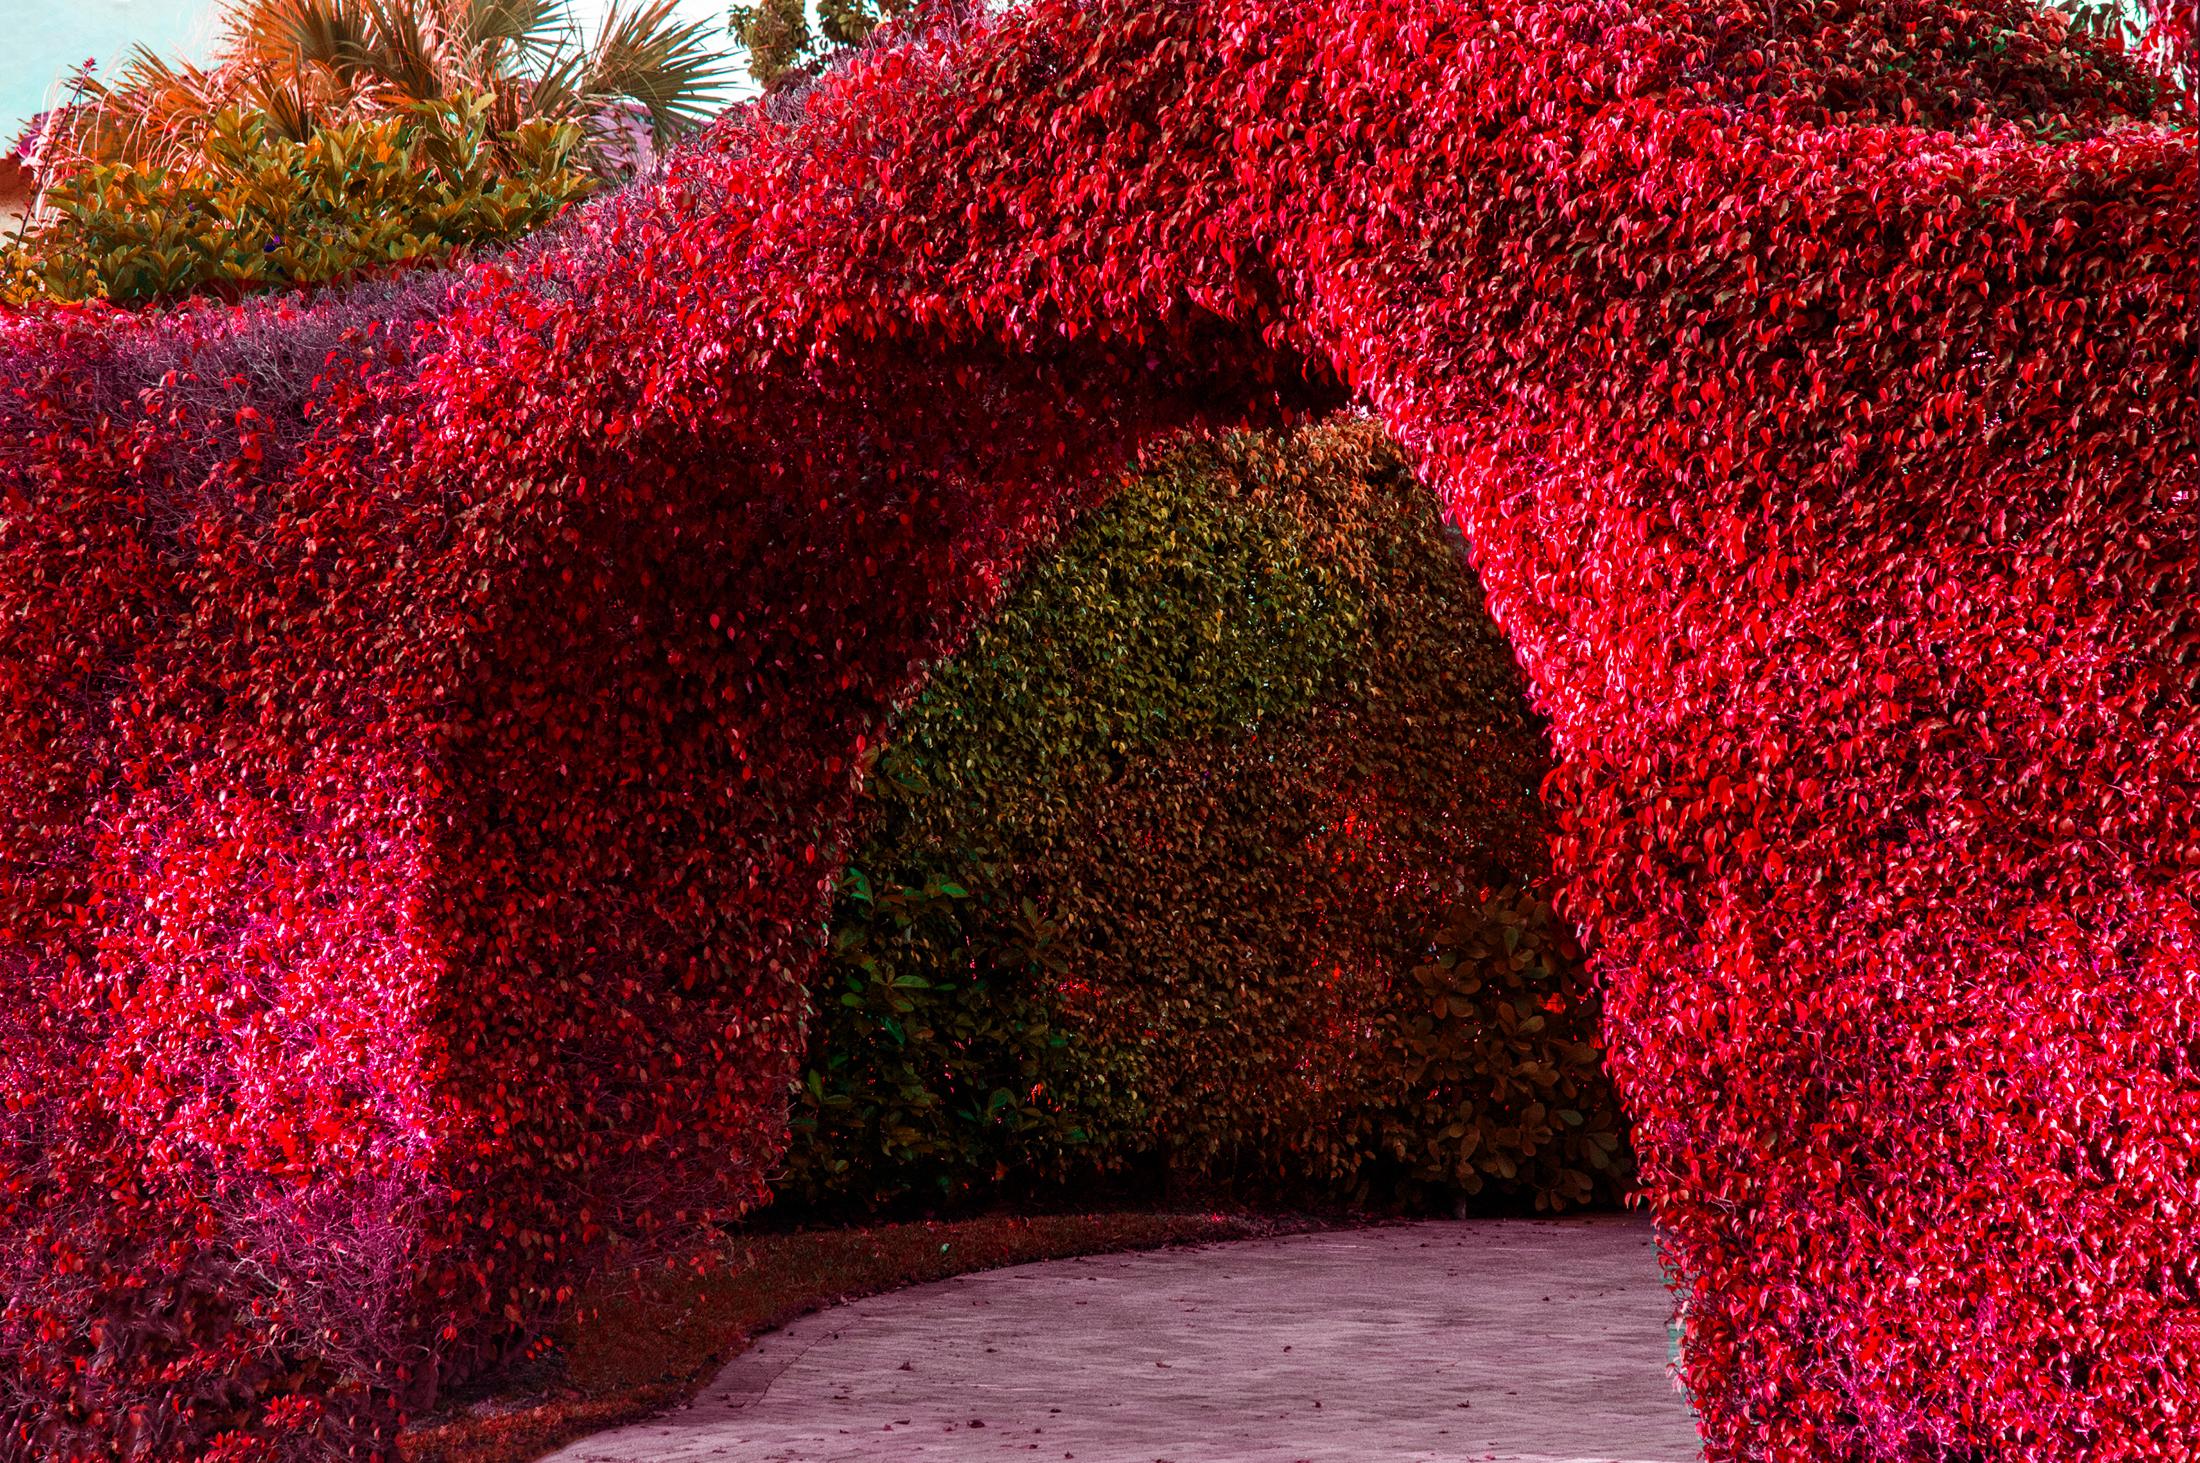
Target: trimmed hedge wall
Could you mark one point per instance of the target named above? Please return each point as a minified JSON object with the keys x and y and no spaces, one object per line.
{"x":1157,"y":869}
{"x":428,"y":718}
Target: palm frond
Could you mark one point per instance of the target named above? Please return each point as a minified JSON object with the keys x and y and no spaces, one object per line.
{"x":333,"y":34}
{"x":667,"y":65}
{"x":409,"y":49}
{"x":520,"y":29}
{"x":147,"y":113}
{"x":554,"y":92}
{"x":293,"y":112}
{"x":308,"y":64}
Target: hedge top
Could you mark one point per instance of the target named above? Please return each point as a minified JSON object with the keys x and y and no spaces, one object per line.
{"x":429,"y":716}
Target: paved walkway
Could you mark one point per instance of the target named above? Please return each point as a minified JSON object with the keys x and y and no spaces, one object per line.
{"x":1517,"y":1341}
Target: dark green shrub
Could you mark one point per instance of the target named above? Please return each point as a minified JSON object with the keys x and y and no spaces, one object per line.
{"x":937,"y":1063}
{"x":1167,"y":848}
{"x":1497,"y":1082}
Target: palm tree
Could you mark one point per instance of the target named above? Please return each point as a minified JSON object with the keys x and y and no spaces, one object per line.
{"x":306,"y":64}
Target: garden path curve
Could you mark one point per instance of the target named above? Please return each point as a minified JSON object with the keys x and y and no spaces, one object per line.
{"x":1516,"y":1341}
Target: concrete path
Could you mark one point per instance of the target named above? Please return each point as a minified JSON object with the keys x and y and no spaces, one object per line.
{"x":1517,"y":1341}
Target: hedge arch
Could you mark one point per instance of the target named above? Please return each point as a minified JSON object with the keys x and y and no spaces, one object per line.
{"x":1207,"y":868}
{"x":427,"y":715}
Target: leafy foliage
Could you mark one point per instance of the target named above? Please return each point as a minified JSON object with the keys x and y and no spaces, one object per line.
{"x":431,"y":716}
{"x":1501,"y":1086}
{"x":306,"y":66}
{"x":2164,"y":29}
{"x":1205,"y":782}
{"x":253,"y":211}
{"x":781,"y":44}
{"x":937,"y":1064}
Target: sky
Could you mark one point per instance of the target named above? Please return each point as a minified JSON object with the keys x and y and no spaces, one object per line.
{"x":40,"y":40}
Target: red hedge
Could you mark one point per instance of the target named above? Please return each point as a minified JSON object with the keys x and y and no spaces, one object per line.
{"x":427,"y":717}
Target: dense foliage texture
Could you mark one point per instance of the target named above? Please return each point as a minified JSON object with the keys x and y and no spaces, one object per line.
{"x":783,"y":45}
{"x":428,"y":718}
{"x":250,"y":211}
{"x":1150,"y":867}
{"x":645,"y":77}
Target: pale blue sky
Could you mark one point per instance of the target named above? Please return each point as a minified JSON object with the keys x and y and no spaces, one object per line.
{"x":41,"y":39}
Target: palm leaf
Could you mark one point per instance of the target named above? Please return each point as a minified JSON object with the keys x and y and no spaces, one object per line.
{"x":334,"y":34}
{"x":554,"y":92}
{"x":148,"y":113}
{"x":667,"y":65}
{"x":410,"y":50}
{"x":293,"y":113}
{"x":521,"y":29}
{"x":306,"y":64}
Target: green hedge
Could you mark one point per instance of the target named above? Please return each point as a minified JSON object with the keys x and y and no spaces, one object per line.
{"x":1201,"y":863}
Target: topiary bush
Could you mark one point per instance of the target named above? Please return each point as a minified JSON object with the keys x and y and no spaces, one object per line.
{"x":477,"y":951}
{"x":410,"y":891}
{"x":251,"y":210}
{"x":1161,"y":846}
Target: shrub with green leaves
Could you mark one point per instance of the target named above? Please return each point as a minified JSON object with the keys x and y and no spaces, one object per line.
{"x":1500,"y":1085}
{"x":1172,"y":865}
{"x":782,"y":43}
{"x":252,"y":210}
{"x":937,"y":1063}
